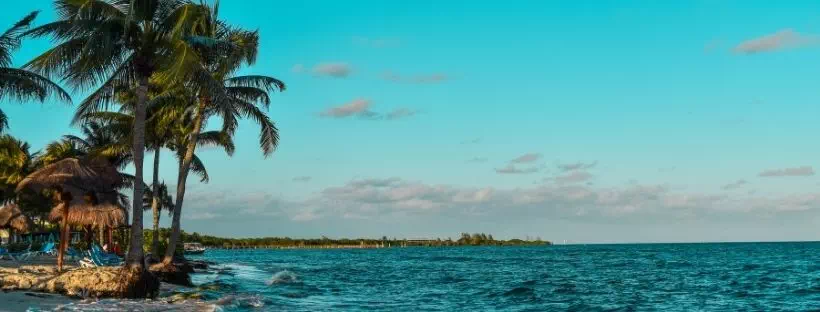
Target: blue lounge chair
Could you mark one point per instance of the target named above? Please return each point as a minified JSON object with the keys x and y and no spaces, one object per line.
{"x":15,"y":256}
{"x":5,"y":253}
{"x":47,"y":249}
{"x":100,"y":258}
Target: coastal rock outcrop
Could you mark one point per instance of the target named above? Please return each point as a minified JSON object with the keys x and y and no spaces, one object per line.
{"x":80,"y":282}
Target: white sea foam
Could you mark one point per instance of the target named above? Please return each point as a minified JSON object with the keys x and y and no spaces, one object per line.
{"x":137,"y":305}
{"x":283,"y":277}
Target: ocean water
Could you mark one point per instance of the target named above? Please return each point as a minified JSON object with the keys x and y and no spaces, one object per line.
{"x":644,"y":277}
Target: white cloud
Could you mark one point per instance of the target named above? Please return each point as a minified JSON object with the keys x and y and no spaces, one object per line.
{"x":512,"y":169}
{"x":788,"y":172}
{"x":575,"y":176}
{"x":399,"y":113}
{"x":358,"y":107}
{"x":202,"y":216}
{"x":377,"y":197}
{"x":577,"y":166}
{"x":361,"y":108}
{"x":526,"y":158}
{"x":397,"y":199}
{"x":735,"y":185}
{"x":782,"y":39}
{"x":335,"y":70}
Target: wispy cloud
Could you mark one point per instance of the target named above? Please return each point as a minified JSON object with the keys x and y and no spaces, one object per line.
{"x":575,"y":176}
{"x":577,"y":166}
{"x":376,"y":42}
{"x":335,"y":70}
{"x":803,"y":171}
{"x":420,"y":79}
{"x":399,"y":113}
{"x":734,"y":185}
{"x":358,"y":107}
{"x":783,"y":39}
{"x":512,"y":169}
{"x":369,"y":200}
{"x":526,"y":158}
{"x":203,"y":216}
{"x":302,"y":179}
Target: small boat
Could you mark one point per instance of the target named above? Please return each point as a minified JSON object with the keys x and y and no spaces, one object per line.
{"x":193,"y":248}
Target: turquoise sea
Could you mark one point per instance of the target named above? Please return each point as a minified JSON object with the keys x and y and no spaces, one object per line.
{"x":639,"y":277}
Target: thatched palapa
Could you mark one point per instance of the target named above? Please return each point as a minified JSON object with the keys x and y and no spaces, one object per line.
{"x":12,"y":217}
{"x":89,"y":175}
{"x":87,"y":186}
{"x":106,"y":215}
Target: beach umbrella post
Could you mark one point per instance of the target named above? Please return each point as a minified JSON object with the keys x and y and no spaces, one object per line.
{"x":65,"y":198}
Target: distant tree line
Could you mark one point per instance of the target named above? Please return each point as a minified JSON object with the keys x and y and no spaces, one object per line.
{"x":466,"y":239}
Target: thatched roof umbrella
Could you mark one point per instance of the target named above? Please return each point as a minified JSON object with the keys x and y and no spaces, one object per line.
{"x":72,"y":179}
{"x":87,"y":175}
{"x":103,"y":213}
{"x":11,"y":217}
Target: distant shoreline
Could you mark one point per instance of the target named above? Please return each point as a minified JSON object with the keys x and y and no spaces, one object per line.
{"x":465,"y":239}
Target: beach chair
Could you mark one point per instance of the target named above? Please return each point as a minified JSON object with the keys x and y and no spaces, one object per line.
{"x":47,"y":249}
{"x":16,"y":256}
{"x":97,"y":258}
{"x":104,"y":257}
{"x":5,"y":253}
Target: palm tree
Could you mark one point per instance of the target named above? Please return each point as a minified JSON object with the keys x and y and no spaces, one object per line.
{"x":157,"y":199}
{"x":222,"y":51}
{"x":16,"y":162}
{"x":21,"y":84}
{"x":120,"y":44}
{"x":166,"y":127}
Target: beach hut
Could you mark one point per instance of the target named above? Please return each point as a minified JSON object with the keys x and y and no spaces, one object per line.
{"x":82,"y":182}
{"x":12,"y":218}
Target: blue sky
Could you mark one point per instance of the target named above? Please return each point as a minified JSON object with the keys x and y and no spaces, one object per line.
{"x":590,"y":121}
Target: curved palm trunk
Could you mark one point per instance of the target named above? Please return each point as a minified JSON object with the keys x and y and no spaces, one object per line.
{"x":135,"y":253}
{"x":155,"y":206}
{"x":184,"y":168}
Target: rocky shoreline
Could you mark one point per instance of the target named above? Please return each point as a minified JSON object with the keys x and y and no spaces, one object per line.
{"x":98,"y":282}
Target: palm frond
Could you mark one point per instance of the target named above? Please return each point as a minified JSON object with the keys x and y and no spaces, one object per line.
{"x":10,"y":39}
{"x":198,"y":168}
{"x":217,"y":139}
{"x":268,"y":133}
{"x":4,"y":121}
{"x":25,"y":85}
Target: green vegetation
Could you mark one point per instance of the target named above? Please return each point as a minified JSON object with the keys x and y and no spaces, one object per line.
{"x":156,"y":72}
{"x":466,"y":239}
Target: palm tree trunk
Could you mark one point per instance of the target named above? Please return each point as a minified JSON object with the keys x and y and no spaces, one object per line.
{"x":64,"y":237}
{"x":155,"y":206}
{"x":184,"y":168}
{"x":135,"y":252}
